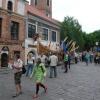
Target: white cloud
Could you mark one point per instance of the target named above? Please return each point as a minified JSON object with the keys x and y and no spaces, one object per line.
{"x":85,"y":11}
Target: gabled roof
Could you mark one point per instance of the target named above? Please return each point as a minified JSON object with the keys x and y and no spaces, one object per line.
{"x":34,"y":11}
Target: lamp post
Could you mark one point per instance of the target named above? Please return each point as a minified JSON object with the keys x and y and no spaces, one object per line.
{"x":97,"y":46}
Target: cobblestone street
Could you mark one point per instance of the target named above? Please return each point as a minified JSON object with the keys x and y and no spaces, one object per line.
{"x":80,"y":83}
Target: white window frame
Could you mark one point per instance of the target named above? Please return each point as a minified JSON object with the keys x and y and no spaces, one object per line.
{"x":48,"y":33}
{"x":34,"y":25}
{"x":56,"y":35}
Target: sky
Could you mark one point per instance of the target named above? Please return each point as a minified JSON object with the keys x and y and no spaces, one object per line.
{"x":85,"y":11}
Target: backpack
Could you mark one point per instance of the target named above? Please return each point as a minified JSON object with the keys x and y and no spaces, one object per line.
{"x":44,"y":72}
{"x":41,"y":65}
{"x":42,"y":69}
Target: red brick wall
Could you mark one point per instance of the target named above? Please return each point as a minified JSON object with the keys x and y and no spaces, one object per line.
{"x":5,"y":40}
{"x":42,"y":6}
{"x":6,"y":19}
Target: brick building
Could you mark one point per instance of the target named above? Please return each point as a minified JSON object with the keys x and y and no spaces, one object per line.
{"x":19,"y":21}
{"x":39,"y":20}
{"x":12,"y":30}
{"x":44,"y":6}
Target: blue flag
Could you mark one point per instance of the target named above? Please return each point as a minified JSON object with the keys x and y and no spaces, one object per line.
{"x":64,"y":47}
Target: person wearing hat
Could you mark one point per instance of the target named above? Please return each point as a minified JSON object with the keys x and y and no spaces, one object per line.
{"x":39,"y":74}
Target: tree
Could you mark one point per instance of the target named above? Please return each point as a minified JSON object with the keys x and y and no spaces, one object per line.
{"x":70,"y":27}
{"x":90,"y":39}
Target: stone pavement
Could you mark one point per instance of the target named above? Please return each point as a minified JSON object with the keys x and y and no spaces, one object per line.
{"x":80,"y":83}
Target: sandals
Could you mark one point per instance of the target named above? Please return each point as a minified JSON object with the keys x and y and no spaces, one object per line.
{"x":35,"y":96}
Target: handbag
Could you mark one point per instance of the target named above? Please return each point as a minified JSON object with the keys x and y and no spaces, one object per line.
{"x":23,"y":70}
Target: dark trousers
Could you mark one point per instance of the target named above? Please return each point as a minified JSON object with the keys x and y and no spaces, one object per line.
{"x":76,"y":60}
{"x":53,"y":69}
{"x":66,"y":68}
{"x":69,"y":64}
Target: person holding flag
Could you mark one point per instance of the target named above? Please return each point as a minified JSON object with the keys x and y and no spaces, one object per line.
{"x":66,"y":62}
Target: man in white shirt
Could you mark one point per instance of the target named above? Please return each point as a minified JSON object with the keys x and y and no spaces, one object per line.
{"x":17,"y":66}
{"x":53,"y":65}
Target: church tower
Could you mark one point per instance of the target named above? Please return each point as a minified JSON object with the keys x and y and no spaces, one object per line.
{"x":45,"y":6}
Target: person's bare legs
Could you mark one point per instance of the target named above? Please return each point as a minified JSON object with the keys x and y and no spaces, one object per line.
{"x":42,"y":85}
{"x":17,"y":89}
{"x":20,"y":88}
{"x":37,"y":90}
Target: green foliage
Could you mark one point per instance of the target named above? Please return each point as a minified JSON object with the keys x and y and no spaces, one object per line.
{"x":70,"y":27}
{"x":91,"y":39}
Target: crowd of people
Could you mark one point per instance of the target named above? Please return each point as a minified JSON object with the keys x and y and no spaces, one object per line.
{"x":89,"y":57}
{"x":35,"y":70}
{"x":36,"y":67}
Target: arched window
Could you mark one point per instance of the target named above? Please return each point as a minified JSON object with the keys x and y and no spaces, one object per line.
{"x":48,"y":2}
{"x":10,"y":5}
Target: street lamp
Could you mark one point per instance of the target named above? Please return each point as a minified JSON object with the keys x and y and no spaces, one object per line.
{"x":97,"y":46}
{"x":97,"y":43}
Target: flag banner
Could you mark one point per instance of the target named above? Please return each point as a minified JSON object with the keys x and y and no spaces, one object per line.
{"x":65,"y":39}
{"x":64,"y":46}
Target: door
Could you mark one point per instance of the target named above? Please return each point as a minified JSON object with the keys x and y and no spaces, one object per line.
{"x":4,"y":60}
